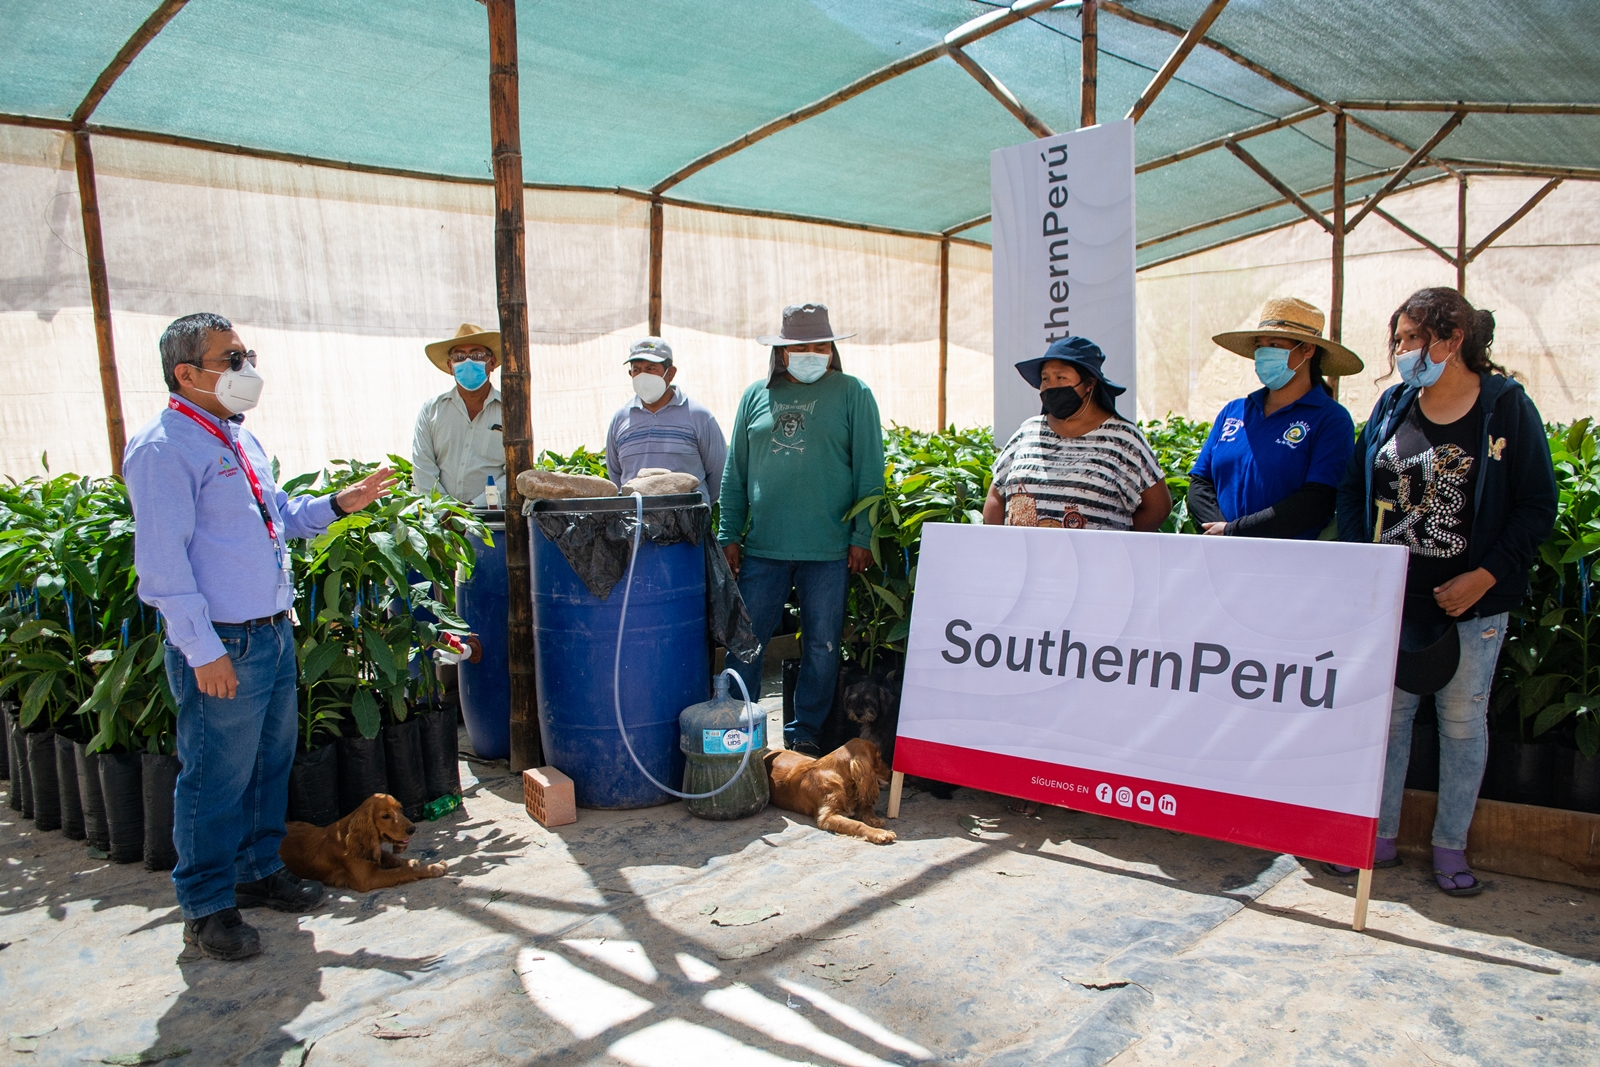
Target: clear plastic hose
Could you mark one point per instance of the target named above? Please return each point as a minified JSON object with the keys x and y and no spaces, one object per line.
{"x":616,"y":682}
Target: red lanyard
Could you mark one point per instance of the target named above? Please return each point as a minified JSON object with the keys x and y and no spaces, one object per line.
{"x":174,"y":404}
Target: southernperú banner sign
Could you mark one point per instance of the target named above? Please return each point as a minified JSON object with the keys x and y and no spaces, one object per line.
{"x":1229,"y":687}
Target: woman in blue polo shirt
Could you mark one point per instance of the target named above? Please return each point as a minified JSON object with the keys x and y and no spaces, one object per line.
{"x":1273,"y":460}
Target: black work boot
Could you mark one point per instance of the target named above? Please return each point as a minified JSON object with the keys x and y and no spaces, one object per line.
{"x":222,"y":935}
{"x":281,"y":890}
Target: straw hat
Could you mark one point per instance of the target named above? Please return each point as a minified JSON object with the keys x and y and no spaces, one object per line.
{"x":466,"y":334}
{"x":1292,"y":320}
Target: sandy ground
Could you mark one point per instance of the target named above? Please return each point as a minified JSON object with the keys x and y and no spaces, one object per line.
{"x":653,"y":939}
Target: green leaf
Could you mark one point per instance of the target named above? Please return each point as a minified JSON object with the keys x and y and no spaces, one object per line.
{"x":319,"y":660}
{"x":1549,"y":717}
{"x":379,"y":652}
{"x":32,"y":630}
{"x":1589,"y":735}
{"x":33,"y":700}
{"x":895,"y":603}
{"x":364,"y":709}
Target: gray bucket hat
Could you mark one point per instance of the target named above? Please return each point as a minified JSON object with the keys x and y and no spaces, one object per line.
{"x":804,"y":324}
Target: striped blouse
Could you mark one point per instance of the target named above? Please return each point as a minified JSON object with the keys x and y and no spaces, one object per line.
{"x":1091,"y":482}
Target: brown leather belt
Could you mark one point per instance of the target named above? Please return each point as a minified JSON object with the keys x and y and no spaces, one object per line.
{"x":265,"y":620}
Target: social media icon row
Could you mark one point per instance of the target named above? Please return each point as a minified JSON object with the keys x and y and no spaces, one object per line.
{"x":1145,"y":799}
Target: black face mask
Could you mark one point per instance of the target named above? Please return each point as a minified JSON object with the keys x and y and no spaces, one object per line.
{"x":1061,"y":402}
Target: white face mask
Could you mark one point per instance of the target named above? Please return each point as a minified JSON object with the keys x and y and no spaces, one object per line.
{"x":238,"y":390}
{"x":649,"y":387}
{"x":808,"y":366}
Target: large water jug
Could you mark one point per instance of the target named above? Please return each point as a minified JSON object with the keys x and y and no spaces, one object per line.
{"x":713,"y":737}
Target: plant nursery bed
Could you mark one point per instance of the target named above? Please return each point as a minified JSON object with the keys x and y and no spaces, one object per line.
{"x":1522,"y":839}
{"x":651,"y":938}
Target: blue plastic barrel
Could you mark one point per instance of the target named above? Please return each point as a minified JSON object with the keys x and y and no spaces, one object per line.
{"x":665,"y":661}
{"x":486,"y":685}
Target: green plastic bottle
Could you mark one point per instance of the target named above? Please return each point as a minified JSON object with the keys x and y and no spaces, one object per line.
{"x":439,"y":807}
{"x":713,"y":738}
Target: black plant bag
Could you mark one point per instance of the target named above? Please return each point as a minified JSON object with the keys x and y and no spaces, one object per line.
{"x":94,"y":804}
{"x":5,"y":743}
{"x":67,"y":784}
{"x":402,"y":755}
{"x":441,"y":767}
{"x":122,"y":787}
{"x":159,"y":788}
{"x":361,"y":771}
{"x":314,"y":786}
{"x":21,"y":782}
{"x":42,"y":773}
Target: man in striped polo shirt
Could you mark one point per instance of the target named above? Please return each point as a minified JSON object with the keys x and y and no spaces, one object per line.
{"x":661,"y":427}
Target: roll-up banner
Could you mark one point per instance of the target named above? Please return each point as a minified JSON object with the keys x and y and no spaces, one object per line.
{"x":1062,"y":211}
{"x":1229,"y":687}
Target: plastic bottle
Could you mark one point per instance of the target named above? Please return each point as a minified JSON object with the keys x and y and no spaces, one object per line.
{"x":491,"y":495}
{"x":439,"y":807}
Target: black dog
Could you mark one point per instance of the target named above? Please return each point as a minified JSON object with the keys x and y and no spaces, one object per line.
{"x":873,"y":708}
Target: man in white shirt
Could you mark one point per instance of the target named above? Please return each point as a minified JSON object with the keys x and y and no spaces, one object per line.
{"x":458,"y":444}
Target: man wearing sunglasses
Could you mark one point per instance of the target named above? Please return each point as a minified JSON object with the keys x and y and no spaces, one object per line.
{"x":458,"y":445}
{"x":211,"y":550}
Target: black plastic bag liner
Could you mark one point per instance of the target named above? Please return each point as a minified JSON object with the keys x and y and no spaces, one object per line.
{"x":441,"y":766}
{"x":21,"y":785}
{"x":402,"y":757}
{"x":160,"y":786}
{"x":42,"y":772}
{"x":67,"y":783}
{"x":122,"y":786}
{"x":5,"y":742}
{"x":314,"y":786}
{"x":596,"y":537}
{"x":94,"y":804}
{"x":361,"y":771}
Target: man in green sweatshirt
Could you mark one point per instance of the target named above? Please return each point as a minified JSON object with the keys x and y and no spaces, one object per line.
{"x":806,"y":445}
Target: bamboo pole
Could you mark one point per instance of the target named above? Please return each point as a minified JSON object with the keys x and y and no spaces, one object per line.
{"x":1283,"y":190}
{"x":944,"y":333}
{"x":1516,"y":217}
{"x":124,"y":58}
{"x":969,"y":224}
{"x":100,"y":297}
{"x":1236,"y":238}
{"x":1471,"y":106}
{"x":1218,"y":142}
{"x":1336,"y":297}
{"x":1524,"y":170}
{"x":1405,"y":168}
{"x":1244,"y":213}
{"x":657,"y":224}
{"x":996,"y":89}
{"x":1186,"y":45}
{"x":963,"y":35}
{"x":1414,"y":235}
{"x":511,"y":292}
{"x":1461,"y":236}
{"x":1089,"y":84}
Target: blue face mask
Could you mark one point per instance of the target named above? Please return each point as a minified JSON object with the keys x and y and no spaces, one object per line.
{"x":807,"y":366}
{"x":471,"y":374}
{"x":1417,"y":369}
{"x":1272,"y":367}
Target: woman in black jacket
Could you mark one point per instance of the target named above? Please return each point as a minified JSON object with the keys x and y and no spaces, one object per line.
{"x":1455,"y":465}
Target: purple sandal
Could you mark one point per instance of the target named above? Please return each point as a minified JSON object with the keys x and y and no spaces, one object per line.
{"x":1449,"y":867}
{"x":1385,"y":855}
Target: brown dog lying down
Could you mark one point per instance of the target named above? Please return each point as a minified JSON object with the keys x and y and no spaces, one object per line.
{"x":840,"y":789}
{"x":349,"y":854}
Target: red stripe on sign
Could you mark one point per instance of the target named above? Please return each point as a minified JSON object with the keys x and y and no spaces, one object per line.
{"x":1311,"y":832}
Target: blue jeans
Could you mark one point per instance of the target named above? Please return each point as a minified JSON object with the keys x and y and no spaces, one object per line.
{"x":764,"y":584}
{"x":1463,"y":707}
{"x":234,"y":787}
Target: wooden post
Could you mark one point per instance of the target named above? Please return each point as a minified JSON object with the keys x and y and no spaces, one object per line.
{"x":1363,"y":894}
{"x":1089,"y":17}
{"x":897,"y":783}
{"x":511,"y":287}
{"x":944,"y":334}
{"x":1461,"y":236}
{"x":1336,"y":299}
{"x":657,"y":224}
{"x":100,"y":297}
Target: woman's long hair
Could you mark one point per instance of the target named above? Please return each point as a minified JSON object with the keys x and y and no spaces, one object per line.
{"x":1439,"y":313}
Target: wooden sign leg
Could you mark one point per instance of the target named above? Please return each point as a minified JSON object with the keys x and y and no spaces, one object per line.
{"x":1363,"y":893}
{"x":897,"y":782}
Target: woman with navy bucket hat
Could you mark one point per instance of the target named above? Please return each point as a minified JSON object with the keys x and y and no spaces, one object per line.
{"x":1273,"y":461}
{"x":1455,"y":465}
{"x":1078,"y":465}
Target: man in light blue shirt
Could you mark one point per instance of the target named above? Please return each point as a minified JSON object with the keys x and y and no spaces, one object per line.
{"x":211,"y":551}
{"x":661,"y":427}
